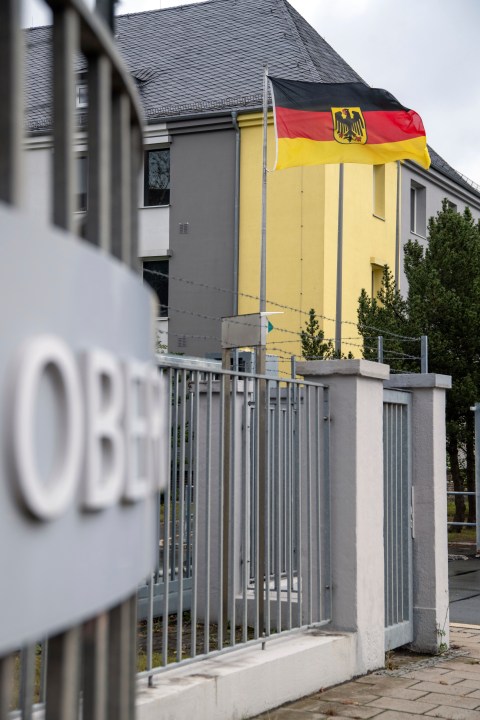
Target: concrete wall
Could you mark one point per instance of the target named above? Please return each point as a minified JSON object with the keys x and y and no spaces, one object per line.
{"x":438,"y":187}
{"x":202,"y":195}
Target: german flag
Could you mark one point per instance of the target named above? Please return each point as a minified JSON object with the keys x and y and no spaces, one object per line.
{"x":319,"y":123}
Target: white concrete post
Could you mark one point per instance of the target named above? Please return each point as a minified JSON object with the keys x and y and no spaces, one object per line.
{"x":356,"y":481}
{"x":429,"y":481}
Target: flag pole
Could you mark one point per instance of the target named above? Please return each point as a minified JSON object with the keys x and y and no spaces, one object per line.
{"x":338,"y":308}
{"x":397,"y":228}
{"x":260,"y":362}
{"x":263,"y":248}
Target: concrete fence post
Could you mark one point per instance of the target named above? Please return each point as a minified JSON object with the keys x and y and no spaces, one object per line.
{"x":356,"y":481}
{"x":430,"y":542}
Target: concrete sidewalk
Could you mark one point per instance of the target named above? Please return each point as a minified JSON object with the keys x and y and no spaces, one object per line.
{"x":464,"y":583}
{"x":412,"y":686}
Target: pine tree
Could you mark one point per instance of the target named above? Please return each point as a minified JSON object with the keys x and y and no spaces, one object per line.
{"x":444,"y":304}
{"x":314,"y":345}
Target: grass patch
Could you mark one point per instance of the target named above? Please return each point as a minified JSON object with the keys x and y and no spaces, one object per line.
{"x":466,"y":535}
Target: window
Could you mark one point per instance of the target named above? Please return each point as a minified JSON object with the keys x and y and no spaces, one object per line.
{"x":451,"y":206}
{"x":377,"y":277}
{"x":81,"y":166}
{"x":157,"y":177}
{"x":379,"y":190}
{"x":81,"y":91}
{"x":418,"y":209}
{"x":81,"y":95}
{"x":155,"y":273}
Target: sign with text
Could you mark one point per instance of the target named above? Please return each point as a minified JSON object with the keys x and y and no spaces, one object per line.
{"x":83,"y":431}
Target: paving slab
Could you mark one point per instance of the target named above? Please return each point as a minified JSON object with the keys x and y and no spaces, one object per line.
{"x":452,"y":713}
{"x":468,"y":702}
{"x":412,"y":687}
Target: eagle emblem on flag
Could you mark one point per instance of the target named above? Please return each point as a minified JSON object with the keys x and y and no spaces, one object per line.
{"x":349,"y":126}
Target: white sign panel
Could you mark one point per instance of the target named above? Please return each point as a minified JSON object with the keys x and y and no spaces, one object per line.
{"x":83,"y":434}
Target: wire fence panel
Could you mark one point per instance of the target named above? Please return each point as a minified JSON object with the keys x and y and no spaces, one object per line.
{"x":218,"y":586}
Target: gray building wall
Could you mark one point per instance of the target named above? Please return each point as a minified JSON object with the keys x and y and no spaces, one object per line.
{"x":202,"y":195}
{"x":437,"y":186}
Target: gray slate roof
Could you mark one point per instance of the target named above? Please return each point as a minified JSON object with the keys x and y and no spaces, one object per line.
{"x":205,"y":57}
{"x":202,"y":57}
{"x":210,"y":55}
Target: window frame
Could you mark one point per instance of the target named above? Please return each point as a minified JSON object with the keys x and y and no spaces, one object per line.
{"x":418,"y":209}
{"x":163,"y":308}
{"x":146,"y":183}
{"x":78,"y":194}
{"x":379,"y":192}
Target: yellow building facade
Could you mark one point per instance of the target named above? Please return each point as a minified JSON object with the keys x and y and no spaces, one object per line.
{"x":302,"y":239}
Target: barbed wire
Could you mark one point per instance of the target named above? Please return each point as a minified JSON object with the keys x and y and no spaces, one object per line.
{"x":276,"y":304}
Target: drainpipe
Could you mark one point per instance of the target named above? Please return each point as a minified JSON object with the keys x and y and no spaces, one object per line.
{"x":236,"y":221}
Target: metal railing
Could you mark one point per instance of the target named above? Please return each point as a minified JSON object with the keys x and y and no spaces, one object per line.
{"x":209,"y":593}
{"x":114,"y":124}
{"x":105,"y":645}
{"x":472,"y":493}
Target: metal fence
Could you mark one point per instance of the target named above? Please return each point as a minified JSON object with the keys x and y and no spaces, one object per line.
{"x":476,"y":493}
{"x":101,"y":651}
{"x":397,"y":519}
{"x":243,"y":544}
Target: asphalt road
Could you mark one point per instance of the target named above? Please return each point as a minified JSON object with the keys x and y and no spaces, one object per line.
{"x":464,"y":582}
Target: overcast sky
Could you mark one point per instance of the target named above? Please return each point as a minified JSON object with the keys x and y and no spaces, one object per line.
{"x":422,"y":51}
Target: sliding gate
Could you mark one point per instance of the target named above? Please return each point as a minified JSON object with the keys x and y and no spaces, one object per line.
{"x":397,"y":518}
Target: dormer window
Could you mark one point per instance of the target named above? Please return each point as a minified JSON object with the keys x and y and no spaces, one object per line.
{"x":81,"y":95}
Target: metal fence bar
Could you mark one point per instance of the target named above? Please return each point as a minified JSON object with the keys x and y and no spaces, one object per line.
{"x":95,"y":663}
{"x":27,"y":681}
{"x":308,"y":453}
{"x":208,"y":465}
{"x":245,"y":509}
{"x":277,"y":485}
{"x":136,"y":145}
{"x":318,"y":514}
{"x":181,"y":511}
{"x":266,"y":494}
{"x":195,"y":443}
{"x":232,"y":545}
{"x":11,"y":109}
{"x":119,"y":650}
{"x":43,"y":671}
{"x":6,"y":683}
{"x":258,"y":578}
{"x":150,"y":630}
{"x":298,"y":507}
{"x":99,"y":151}
{"x":121,"y":155}
{"x":387,"y":519}
{"x":65,"y":48}
{"x":63,"y":676}
{"x":221,"y":514}
{"x":167,"y":515}
{"x":327,"y":513}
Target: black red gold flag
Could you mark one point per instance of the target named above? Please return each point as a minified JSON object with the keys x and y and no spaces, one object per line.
{"x":319,"y":123}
